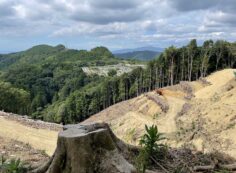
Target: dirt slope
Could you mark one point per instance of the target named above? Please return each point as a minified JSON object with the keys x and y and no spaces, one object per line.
{"x":206,"y":122}
{"x":40,"y":139}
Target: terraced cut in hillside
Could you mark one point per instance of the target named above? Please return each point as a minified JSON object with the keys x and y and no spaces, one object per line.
{"x":38,"y":137}
{"x":200,"y":115}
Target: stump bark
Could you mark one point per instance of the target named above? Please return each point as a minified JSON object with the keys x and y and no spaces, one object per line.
{"x":88,"y":148}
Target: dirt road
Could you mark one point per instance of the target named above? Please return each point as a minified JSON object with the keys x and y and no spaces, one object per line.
{"x":167,"y":123}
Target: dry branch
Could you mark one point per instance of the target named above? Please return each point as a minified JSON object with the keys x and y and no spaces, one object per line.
{"x":228,"y":167}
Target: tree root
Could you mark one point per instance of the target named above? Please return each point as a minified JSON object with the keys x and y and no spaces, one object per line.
{"x":44,"y":167}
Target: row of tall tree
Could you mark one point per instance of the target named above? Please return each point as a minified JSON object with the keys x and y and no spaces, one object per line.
{"x":191,"y":62}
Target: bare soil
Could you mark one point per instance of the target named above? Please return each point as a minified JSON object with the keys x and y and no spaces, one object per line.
{"x":12,"y":149}
{"x":38,"y":138}
{"x":208,"y":125}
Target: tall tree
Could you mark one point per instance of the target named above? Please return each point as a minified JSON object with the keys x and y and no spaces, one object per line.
{"x":170,"y":55}
{"x":192,"y":50}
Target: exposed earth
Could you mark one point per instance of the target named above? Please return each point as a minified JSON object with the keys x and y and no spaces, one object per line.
{"x":200,"y":115}
{"x":37,"y":134}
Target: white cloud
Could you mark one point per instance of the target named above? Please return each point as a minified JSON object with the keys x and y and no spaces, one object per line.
{"x":161,"y":22}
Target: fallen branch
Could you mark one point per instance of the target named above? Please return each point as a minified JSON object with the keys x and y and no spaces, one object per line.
{"x":203,"y":168}
{"x":229,"y":167}
{"x":158,"y":164}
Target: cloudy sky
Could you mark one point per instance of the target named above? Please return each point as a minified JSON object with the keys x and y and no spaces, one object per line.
{"x":117,"y":24}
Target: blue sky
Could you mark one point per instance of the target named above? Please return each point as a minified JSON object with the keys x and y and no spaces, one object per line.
{"x":116,"y":24}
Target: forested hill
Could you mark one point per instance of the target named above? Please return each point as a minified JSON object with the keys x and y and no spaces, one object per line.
{"x":43,"y":54}
{"x":43,"y":77}
{"x":50,"y":84}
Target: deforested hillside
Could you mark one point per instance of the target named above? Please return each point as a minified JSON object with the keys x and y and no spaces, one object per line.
{"x":199,"y":114}
{"x":36,"y":134}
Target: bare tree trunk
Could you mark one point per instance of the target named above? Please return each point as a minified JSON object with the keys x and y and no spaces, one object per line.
{"x":188,"y":64}
{"x":172,"y":71}
{"x":157,"y":79}
{"x":183,"y":67}
{"x":218,"y":60}
{"x":191,"y":68}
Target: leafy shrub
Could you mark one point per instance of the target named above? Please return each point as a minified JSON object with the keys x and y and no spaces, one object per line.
{"x":150,"y":139}
{"x":12,"y":166}
{"x":150,"y":147}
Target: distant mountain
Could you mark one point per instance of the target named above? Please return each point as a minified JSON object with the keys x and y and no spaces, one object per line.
{"x":141,"y":53}
{"x":147,"y":48}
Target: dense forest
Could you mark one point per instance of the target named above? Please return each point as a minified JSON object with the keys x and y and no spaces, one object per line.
{"x":48,"y":82}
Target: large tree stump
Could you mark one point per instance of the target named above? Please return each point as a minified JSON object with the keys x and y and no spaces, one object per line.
{"x":87,"y":149}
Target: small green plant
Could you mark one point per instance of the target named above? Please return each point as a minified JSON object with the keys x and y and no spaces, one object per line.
{"x":131,"y":134}
{"x":156,"y":115}
{"x":235,"y":75}
{"x":230,"y":126}
{"x":44,"y":153}
{"x":150,"y":139}
{"x":150,"y":147}
{"x":12,"y":166}
{"x":141,"y":161}
{"x":193,"y":125}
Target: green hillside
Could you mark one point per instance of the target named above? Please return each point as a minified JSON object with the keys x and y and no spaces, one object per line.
{"x":51,"y":76}
{"x":58,"y":54}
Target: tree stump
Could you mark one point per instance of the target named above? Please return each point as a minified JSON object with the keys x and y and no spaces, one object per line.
{"x":88,"y":148}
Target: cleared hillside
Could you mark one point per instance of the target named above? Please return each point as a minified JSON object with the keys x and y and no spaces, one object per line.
{"x":36,"y":134}
{"x":206,"y":122}
{"x":120,"y":69}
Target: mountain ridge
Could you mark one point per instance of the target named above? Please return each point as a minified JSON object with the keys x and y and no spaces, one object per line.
{"x":146,"y":55}
{"x":145,"y":48}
